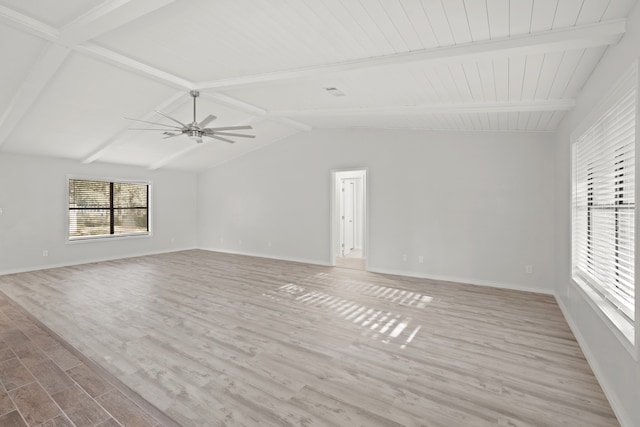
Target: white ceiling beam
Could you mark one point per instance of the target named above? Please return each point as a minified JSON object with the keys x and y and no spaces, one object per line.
{"x":130,"y":64}
{"x":579,"y":37}
{"x":169,"y":104}
{"x":466,"y":108}
{"x":107,"y":17}
{"x":30,"y":25}
{"x":31,"y":87}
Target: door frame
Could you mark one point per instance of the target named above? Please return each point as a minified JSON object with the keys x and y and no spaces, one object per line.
{"x":334,"y":214}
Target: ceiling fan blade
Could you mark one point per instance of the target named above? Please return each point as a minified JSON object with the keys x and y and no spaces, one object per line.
{"x":147,"y":129}
{"x":207,"y":120}
{"x":221,"y":139}
{"x":153,"y":123}
{"x":241,"y":135}
{"x":227,"y":128}
{"x":171,"y":118}
{"x":171,"y":135}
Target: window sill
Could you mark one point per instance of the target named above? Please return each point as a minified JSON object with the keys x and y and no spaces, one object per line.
{"x":615,"y":321}
{"x":111,"y":237}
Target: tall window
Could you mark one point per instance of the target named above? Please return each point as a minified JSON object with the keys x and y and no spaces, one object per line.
{"x":107,"y":209}
{"x":604,"y":209}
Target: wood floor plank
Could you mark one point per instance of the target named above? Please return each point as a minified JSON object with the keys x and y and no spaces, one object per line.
{"x":219,"y":339}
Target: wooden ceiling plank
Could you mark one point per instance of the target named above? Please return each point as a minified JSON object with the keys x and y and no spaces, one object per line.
{"x":498,"y":11}
{"x":368,"y":25}
{"x":478,"y":19}
{"x":542,"y":15}
{"x":334,"y":22}
{"x":472,"y":74}
{"x":567,"y":13}
{"x":618,"y":9}
{"x":513,"y":121}
{"x":544,"y":120}
{"x":583,"y":71}
{"x":531,"y":76}
{"x":484,"y":121}
{"x":420,"y":23}
{"x":402,"y":23}
{"x":439,"y":23}
{"x":548,"y":73}
{"x":534,"y":120}
{"x":566,"y":72}
{"x":591,"y":35}
{"x":458,"y":21}
{"x":461,"y":81}
{"x":487,"y":78}
{"x":517,"y":66}
{"x":523,"y":119}
{"x":520,"y":13}
{"x":386,"y":25}
{"x":501,"y":78}
{"x":447,"y":81}
{"x":592,"y":11}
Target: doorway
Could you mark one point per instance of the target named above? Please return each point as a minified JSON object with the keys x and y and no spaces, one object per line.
{"x":348,"y":237}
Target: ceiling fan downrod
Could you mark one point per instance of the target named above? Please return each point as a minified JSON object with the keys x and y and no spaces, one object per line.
{"x":194,"y":94}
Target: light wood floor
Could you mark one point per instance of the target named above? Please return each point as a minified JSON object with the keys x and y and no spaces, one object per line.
{"x":215,"y":339}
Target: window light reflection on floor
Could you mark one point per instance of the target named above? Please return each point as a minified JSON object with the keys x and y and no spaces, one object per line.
{"x":377,"y":324}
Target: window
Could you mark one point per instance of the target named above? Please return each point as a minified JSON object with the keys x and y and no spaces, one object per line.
{"x":604,"y":208}
{"x":107,"y":208}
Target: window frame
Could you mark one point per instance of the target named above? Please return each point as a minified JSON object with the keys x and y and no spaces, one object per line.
{"x":613,"y":319}
{"x":107,"y":237}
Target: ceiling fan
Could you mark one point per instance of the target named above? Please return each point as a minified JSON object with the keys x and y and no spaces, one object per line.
{"x":195,"y":130}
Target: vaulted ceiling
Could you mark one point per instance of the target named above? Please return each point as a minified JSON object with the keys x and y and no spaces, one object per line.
{"x":72,"y":69}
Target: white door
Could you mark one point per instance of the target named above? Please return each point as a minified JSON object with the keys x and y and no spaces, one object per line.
{"x":348,"y":215}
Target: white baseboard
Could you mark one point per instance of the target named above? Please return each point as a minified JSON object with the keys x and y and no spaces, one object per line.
{"x":463,"y":280}
{"x":90,"y":261}
{"x":268,"y":256}
{"x":609,"y":392}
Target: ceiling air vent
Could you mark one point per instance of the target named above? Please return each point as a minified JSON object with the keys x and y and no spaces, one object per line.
{"x":334,"y":91}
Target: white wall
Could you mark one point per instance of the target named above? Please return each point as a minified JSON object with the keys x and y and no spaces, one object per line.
{"x":477,"y":206}
{"x":616,"y":369}
{"x":34,"y":205}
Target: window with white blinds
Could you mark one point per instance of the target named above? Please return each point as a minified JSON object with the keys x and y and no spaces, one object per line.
{"x":604,"y":208}
{"x":107,"y":208}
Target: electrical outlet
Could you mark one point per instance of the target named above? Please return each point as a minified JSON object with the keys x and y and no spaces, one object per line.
{"x":528,"y":269}
{"x":404,"y":257}
{"x":45,"y":253}
{"x":420,"y":259}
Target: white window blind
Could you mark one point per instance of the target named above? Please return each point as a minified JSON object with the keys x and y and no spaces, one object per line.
{"x":107,"y":208}
{"x":604,"y":208}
